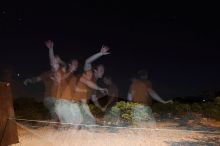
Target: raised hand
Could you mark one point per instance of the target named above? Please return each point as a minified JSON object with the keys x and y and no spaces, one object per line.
{"x":104,"y":50}
{"x":49,"y":44}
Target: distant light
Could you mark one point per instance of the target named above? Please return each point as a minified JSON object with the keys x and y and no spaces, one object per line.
{"x":18,"y":75}
{"x":203,"y":100}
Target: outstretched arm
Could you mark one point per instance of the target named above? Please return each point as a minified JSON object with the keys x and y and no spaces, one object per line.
{"x":103,"y":51}
{"x":92,"y":85}
{"x":32,"y":80}
{"x":156,"y":97}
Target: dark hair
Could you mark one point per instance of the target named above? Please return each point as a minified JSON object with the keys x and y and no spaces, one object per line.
{"x":142,"y":73}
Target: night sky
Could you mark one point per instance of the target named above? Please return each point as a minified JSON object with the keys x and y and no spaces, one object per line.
{"x":178,"y":47}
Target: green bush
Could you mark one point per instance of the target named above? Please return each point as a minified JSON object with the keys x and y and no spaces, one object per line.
{"x":130,"y":111}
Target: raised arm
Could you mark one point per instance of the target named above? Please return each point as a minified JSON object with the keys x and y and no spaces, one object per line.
{"x":54,"y":60}
{"x":49,"y":44}
{"x":88,"y":62}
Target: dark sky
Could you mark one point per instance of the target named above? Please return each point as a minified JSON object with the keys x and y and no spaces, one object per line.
{"x":178,"y":47}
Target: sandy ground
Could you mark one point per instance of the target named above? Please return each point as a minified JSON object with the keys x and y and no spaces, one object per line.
{"x":166,"y":133}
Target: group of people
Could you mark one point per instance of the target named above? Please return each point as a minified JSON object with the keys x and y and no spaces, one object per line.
{"x":67,"y":94}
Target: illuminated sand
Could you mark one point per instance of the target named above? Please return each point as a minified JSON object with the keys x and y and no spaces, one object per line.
{"x":48,"y":136}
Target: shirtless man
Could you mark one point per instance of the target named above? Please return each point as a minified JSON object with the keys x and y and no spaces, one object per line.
{"x":87,"y":83}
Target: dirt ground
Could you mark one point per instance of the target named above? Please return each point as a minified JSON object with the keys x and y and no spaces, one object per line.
{"x":169,"y":132}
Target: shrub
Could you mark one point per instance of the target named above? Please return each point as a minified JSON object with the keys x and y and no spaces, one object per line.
{"x":130,"y":111}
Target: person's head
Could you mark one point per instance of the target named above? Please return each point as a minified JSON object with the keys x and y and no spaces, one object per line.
{"x":99,"y":71}
{"x":73,"y":65}
{"x":142,"y":74}
{"x":107,"y":80}
{"x":63,"y":67}
{"x":88,"y":75}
